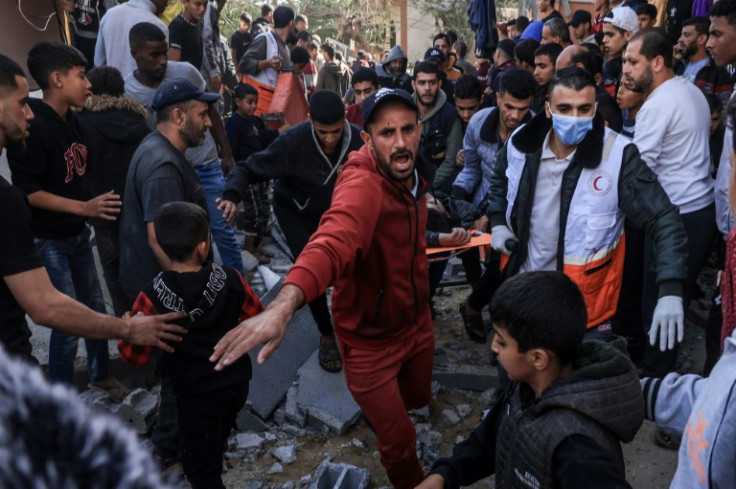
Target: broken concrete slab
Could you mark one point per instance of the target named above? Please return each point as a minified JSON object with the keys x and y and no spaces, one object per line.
{"x":248,"y":421}
{"x":340,"y":476}
{"x":272,"y":380}
{"x":465,"y":377}
{"x":292,"y":412}
{"x":138,"y":410}
{"x":249,"y":440}
{"x":325,"y":397}
{"x":285,"y":454}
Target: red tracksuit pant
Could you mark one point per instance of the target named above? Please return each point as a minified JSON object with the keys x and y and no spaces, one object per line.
{"x":386,"y":383}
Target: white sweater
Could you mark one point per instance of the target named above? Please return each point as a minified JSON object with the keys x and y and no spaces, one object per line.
{"x":672,"y":131}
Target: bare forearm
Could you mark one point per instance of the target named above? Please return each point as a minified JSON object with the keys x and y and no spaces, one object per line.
{"x":51,"y":202}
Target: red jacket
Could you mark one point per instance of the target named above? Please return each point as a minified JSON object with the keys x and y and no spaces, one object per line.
{"x":370,"y":245}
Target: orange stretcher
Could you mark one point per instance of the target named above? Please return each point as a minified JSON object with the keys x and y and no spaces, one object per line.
{"x":283,"y":103}
{"x":478,"y":239}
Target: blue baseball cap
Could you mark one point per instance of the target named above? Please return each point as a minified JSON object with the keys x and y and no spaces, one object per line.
{"x":176,"y":90}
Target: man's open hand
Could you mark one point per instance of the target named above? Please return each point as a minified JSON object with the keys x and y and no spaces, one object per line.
{"x":155,"y":330}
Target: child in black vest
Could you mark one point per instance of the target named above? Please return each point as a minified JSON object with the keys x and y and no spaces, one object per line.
{"x":215,"y":299}
{"x":560,"y":423}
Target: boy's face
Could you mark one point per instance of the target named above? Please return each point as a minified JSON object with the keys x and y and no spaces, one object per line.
{"x":247,"y":105}
{"x":544,"y":68}
{"x":715,"y":121}
{"x":466,"y":108}
{"x":518,"y":365}
{"x":244,"y":26}
{"x":75,"y":86}
{"x":362,"y":90}
{"x":628,"y":99}
{"x":512,"y":31}
{"x":645,"y":22}
{"x":195,"y":8}
{"x":614,"y":40}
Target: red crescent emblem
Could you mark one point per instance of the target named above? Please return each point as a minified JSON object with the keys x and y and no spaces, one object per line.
{"x":595,"y":183}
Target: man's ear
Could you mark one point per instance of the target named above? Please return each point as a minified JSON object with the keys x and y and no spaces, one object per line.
{"x":540,"y":358}
{"x":367,"y":139}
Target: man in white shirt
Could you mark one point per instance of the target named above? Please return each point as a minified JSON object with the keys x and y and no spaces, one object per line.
{"x":672,"y":132}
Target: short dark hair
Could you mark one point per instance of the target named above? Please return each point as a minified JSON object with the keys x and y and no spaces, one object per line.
{"x":106,"y":80}
{"x":542,"y":310}
{"x":551,"y":49}
{"x":144,"y":32}
{"x":9,"y":69}
{"x":524,"y":51}
{"x":441,"y":35}
{"x":180,"y":227}
{"x":282,"y":16}
{"x":245,"y":18}
{"x":517,"y":82}
{"x":300,"y":55}
{"x":329,"y":50}
{"x":164,"y":113}
{"x":511,"y":22}
{"x":507,"y":47}
{"x":462,"y":48}
{"x":647,"y":9}
{"x":300,"y":18}
{"x":522,"y":22}
{"x":558,"y":27}
{"x":326,"y":107}
{"x":552,"y":3}
{"x":426,"y":67}
{"x":243,"y":89}
{"x":654,"y":42}
{"x":572,"y":77}
{"x":46,"y":57}
{"x":362,"y":75}
{"x":266,"y":9}
{"x":724,"y":8}
{"x":701,"y":24}
{"x":467,"y":87}
{"x":591,"y":59}
{"x":292,"y":40}
{"x":304,"y":36}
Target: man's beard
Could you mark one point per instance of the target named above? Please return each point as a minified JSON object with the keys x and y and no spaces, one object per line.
{"x":386,"y":165}
{"x":14,"y":142}
{"x":689,"y":50}
{"x":427,"y":104}
{"x":191,"y":135}
{"x":644,"y":84}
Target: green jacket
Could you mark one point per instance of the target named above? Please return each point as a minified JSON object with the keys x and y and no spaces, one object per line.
{"x":641,"y":198}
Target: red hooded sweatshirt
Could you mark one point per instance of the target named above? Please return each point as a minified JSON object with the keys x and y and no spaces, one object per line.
{"x":370,"y":245}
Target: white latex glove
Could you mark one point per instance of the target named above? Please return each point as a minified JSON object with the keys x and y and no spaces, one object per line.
{"x":668,"y":322}
{"x":499,"y":235}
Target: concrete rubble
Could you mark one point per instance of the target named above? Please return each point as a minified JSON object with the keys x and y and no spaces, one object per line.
{"x":340,"y":476}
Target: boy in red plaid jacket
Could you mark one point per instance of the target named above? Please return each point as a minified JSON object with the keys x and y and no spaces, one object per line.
{"x":215,"y":299}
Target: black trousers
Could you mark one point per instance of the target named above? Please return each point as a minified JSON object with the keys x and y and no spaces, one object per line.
{"x":700,"y":226}
{"x":108,"y":247}
{"x":205,"y":421}
{"x":297,"y":231}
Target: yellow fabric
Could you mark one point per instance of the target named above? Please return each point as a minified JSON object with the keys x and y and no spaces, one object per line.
{"x":173,"y":8}
{"x":661,"y":19}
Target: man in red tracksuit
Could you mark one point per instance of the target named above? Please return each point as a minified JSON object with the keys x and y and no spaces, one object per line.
{"x":370,"y":245}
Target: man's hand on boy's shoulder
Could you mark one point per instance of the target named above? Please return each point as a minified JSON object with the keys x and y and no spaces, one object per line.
{"x":433,"y":481}
{"x":154,"y":330}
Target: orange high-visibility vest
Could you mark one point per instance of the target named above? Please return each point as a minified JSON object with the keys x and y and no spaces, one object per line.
{"x":594,"y":232}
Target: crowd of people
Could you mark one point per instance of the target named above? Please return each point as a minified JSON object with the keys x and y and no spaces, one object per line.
{"x":597,"y":152}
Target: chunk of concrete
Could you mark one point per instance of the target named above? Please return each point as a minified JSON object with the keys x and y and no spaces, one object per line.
{"x":285,"y":454}
{"x":340,"y":476}
{"x":272,"y":380}
{"x":292,"y":412}
{"x":138,"y":409}
{"x":248,"y":421}
{"x":249,"y":440}
{"x":325,"y":397}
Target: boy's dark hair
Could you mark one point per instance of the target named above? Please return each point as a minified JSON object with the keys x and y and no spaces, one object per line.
{"x":329,"y":50}
{"x":243,"y":89}
{"x":701,"y":24}
{"x":654,"y":42}
{"x":300,"y":55}
{"x":47,"y":57}
{"x":522,"y":22}
{"x":300,"y":18}
{"x":558,"y":27}
{"x":525,"y":50}
{"x":467,"y":87}
{"x":326,"y":107}
{"x":180,"y":227}
{"x":551,"y":50}
{"x":426,"y":67}
{"x":511,"y":22}
{"x":292,"y":40}
{"x":507,"y":47}
{"x":338,"y":55}
{"x":304,"y":36}
{"x":282,"y":16}
{"x":714,"y":103}
{"x":365,"y":75}
{"x":245,"y":18}
{"x":266,"y":9}
{"x":9,"y":69}
{"x":572,"y":77}
{"x":647,"y":9}
{"x":591,"y":59}
{"x":144,"y":32}
{"x":106,"y":80}
{"x":517,"y":82}
{"x":724,"y":8}
{"x":542,"y":310}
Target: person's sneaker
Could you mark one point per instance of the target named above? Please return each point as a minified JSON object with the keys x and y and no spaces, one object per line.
{"x":665,"y":441}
